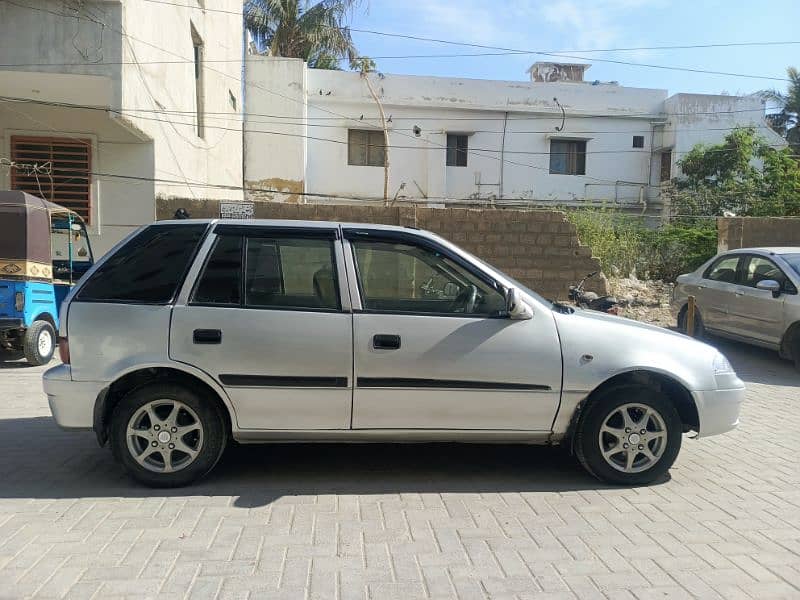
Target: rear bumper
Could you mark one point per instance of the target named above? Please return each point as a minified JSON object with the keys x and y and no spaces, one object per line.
{"x":71,"y":402}
{"x":718,"y":410}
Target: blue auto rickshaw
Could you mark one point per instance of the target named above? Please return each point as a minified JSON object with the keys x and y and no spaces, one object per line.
{"x":44,"y":250}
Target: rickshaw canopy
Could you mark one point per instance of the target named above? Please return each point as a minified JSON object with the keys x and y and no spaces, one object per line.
{"x":25,"y":225}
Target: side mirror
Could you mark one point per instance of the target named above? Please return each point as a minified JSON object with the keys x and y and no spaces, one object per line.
{"x":515,"y":307}
{"x":770,"y":285}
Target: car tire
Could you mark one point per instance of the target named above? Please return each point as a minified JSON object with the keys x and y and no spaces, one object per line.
{"x":612,"y":446}
{"x":180,"y":434}
{"x":699,"y":327}
{"x":796,"y":351}
{"x":39,"y":343}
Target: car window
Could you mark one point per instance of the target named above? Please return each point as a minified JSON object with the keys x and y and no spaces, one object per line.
{"x":400,"y":277}
{"x":291,"y":273}
{"x":724,"y":269}
{"x":148,"y":268}
{"x":221,"y":281}
{"x":759,"y":268}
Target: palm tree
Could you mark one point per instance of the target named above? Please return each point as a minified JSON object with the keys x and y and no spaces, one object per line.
{"x":787,"y":121}
{"x":315,"y":32}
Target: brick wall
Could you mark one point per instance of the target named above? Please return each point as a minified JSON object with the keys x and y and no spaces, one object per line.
{"x":749,"y":232}
{"x":540,"y":248}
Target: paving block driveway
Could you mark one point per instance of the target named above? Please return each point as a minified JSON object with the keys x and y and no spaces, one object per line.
{"x":383,"y":522}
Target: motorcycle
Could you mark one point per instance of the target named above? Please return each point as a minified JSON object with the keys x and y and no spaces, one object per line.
{"x":591,"y":300}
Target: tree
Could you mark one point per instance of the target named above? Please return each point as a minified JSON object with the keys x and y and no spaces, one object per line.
{"x":317,"y":32}
{"x":742,"y":175}
{"x":787,"y":122}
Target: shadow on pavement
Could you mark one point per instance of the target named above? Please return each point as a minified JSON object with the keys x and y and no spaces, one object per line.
{"x":38,"y":460}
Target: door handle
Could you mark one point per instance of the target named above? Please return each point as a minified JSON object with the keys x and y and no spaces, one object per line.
{"x":207,"y":336}
{"x":385,"y":341}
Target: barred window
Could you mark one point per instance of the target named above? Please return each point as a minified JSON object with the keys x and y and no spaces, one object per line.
{"x":63,"y":175}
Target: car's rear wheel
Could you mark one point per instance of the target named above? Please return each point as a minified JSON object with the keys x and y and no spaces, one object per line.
{"x":699,"y":328}
{"x":39,"y":343}
{"x":629,"y":435}
{"x":166,"y":435}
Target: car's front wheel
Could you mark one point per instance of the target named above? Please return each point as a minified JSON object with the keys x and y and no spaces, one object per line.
{"x":167,"y":435}
{"x":629,"y":435}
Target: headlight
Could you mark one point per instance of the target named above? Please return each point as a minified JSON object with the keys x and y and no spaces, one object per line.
{"x":19,"y":301}
{"x":721,"y":365}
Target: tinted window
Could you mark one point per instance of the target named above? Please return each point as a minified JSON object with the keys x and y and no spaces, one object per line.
{"x":291,"y":273}
{"x":723,"y":270}
{"x":221,"y":281}
{"x":400,"y":277}
{"x":148,"y":268}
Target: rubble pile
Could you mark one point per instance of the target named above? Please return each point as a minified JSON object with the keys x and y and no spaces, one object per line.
{"x":646,"y":301}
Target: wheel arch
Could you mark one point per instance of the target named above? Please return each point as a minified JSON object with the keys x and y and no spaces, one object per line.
{"x":134,"y":378}
{"x":675,"y":389}
{"x":46,"y":316}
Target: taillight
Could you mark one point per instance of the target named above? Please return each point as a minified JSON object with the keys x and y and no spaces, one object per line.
{"x":63,"y":350}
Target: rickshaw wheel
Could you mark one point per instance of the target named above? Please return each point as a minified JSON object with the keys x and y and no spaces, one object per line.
{"x":40,"y":343}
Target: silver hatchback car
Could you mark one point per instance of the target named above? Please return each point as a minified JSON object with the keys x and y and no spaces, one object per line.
{"x":189,"y":333}
{"x":749,"y":295}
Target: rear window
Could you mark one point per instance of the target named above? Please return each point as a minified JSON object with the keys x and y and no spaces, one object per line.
{"x":148,"y":269}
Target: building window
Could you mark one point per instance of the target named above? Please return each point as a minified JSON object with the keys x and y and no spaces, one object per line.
{"x":457,"y":149}
{"x":568,"y":157}
{"x":55,"y":169}
{"x":666,"y":165}
{"x":638,"y":141}
{"x":365,"y":148}
{"x":197,"y":43}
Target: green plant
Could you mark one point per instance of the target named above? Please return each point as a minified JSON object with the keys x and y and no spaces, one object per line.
{"x":743,"y":175}
{"x":626,"y":246}
{"x":313,"y":31}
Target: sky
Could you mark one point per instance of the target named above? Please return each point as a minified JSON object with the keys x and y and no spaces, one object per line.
{"x":569,"y":26}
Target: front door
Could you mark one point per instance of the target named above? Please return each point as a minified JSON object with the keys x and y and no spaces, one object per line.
{"x":433,"y":349}
{"x":267,"y":320}
{"x":756,"y":313}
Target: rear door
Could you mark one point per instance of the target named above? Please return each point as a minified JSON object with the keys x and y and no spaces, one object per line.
{"x":432,"y":346}
{"x":716,"y":291}
{"x":268,"y":320}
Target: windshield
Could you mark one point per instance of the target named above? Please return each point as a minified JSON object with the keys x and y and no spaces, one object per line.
{"x":60,"y":242}
{"x":793,"y":260}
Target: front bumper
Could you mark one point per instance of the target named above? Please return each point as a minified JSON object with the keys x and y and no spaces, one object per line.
{"x":71,"y":402}
{"x":718,"y":410}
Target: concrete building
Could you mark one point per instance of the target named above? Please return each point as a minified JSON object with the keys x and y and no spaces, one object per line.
{"x":313,"y":135}
{"x":160,"y":84}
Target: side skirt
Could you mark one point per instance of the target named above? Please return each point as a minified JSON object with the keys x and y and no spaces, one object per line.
{"x":393,"y":436}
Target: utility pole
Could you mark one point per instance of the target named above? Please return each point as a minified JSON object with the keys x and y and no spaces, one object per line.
{"x":365,"y":77}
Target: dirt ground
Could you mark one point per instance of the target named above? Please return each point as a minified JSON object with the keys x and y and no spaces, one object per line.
{"x":646,"y":301}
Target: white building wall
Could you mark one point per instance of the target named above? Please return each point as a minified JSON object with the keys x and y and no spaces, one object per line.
{"x":275,"y":144}
{"x":149,"y":131}
{"x":605,"y":116}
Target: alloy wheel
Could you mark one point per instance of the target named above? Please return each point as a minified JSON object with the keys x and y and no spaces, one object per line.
{"x":164,"y":436}
{"x":633,"y":437}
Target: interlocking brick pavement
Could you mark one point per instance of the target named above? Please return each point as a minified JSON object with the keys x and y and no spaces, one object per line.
{"x":383,"y":522}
